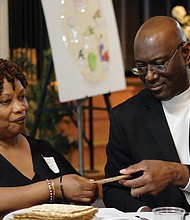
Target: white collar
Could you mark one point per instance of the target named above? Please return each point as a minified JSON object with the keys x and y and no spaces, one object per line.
{"x":178,"y":102}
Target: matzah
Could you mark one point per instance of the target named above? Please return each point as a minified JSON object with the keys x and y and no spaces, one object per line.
{"x":112,"y":179}
{"x":56,"y":212}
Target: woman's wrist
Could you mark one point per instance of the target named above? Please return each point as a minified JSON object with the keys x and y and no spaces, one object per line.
{"x":61,"y":187}
{"x":58,"y":184}
{"x":52,"y":191}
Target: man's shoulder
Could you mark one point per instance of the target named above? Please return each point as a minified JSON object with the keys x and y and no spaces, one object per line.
{"x":136,"y":100}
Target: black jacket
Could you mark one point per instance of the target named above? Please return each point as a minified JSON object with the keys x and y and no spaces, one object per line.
{"x":138,"y":131}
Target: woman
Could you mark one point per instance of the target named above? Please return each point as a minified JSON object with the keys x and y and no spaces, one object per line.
{"x":31,"y":171}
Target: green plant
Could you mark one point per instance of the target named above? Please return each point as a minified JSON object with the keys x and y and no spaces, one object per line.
{"x":53,"y":112}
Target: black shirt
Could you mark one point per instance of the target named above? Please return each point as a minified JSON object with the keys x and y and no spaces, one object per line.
{"x":10,"y":176}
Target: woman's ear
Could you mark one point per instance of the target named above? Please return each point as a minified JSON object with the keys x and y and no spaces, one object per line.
{"x":186,"y":52}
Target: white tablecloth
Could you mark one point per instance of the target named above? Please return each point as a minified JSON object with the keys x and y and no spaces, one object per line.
{"x":114,"y":214}
{"x":111,"y":214}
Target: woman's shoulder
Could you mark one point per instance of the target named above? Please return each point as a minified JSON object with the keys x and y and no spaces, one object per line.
{"x":39,"y":145}
{"x":45,"y":149}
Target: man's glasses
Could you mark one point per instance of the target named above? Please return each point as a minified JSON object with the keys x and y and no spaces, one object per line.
{"x":141,"y":70}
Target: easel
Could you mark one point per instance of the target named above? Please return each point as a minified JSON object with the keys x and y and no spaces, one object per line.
{"x":79,"y":110}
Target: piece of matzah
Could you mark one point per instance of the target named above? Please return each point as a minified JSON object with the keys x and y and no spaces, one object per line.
{"x":57,"y":211}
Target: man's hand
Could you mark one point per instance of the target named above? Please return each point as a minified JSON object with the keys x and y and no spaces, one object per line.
{"x":157,"y":175}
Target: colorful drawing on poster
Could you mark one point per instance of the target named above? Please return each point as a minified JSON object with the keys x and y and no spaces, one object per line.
{"x":84,"y":34}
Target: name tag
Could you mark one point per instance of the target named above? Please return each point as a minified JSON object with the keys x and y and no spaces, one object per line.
{"x":52,"y":164}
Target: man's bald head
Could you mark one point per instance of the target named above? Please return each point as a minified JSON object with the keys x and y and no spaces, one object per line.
{"x":160,"y":28}
{"x":161,"y":58}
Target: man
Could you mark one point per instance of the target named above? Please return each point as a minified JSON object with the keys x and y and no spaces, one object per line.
{"x":149,"y":133}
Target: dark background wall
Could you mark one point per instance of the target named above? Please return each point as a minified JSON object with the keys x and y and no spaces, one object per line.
{"x":131,"y":14}
{"x":27,"y":27}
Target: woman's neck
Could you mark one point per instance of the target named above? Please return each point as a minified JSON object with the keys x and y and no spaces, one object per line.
{"x":11,"y":142}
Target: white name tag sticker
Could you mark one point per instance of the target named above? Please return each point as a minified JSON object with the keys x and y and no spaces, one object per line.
{"x":52,"y":164}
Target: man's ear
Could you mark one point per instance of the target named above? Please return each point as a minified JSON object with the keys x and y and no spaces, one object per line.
{"x":186,"y":52}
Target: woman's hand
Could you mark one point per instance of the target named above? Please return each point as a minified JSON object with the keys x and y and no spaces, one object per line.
{"x":79,"y":190}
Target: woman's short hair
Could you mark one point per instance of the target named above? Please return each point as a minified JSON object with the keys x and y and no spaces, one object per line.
{"x":11,"y":71}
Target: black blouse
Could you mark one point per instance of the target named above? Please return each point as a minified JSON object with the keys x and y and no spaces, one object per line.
{"x":10,"y":176}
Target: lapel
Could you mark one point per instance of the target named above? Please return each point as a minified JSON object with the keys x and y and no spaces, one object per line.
{"x":155,"y":119}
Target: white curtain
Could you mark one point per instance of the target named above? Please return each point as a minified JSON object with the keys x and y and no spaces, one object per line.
{"x":4,"y":29}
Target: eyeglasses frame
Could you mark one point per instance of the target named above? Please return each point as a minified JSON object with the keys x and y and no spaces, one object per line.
{"x":165,"y":65}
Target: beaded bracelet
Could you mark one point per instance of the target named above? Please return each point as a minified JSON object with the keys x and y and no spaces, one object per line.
{"x":61,"y":187}
{"x":51,"y":190}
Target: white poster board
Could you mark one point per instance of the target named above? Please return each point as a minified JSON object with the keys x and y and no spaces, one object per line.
{"x":4,"y":29}
{"x":85,"y":47}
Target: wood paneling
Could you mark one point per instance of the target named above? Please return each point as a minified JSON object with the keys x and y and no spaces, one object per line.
{"x":101,"y":125}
